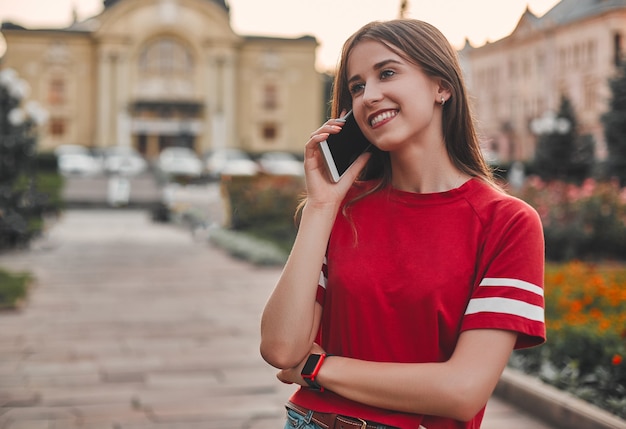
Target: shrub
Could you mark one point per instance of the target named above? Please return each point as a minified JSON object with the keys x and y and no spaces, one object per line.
{"x":263,"y":205}
{"x":247,"y":247}
{"x":13,"y":288}
{"x":49,"y":185}
{"x":585,"y":222}
{"x":20,"y":211}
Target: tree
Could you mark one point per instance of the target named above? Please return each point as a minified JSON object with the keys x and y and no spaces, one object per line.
{"x":614,"y":121}
{"x":562,"y":153}
{"x":20,"y":204}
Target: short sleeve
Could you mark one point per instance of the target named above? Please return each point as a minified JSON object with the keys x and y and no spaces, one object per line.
{"x":510,"y":292}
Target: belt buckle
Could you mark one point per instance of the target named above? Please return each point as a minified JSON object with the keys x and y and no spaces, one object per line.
{"x":363,"y":423}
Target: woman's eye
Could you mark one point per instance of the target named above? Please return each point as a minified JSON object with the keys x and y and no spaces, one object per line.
{"x":386,"y":74}
{"x":356,"y":88}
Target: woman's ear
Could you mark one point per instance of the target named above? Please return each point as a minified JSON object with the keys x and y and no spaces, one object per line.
{"x":443,"y":91}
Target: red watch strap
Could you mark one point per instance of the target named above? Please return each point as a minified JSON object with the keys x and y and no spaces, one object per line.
{"x":311,"y":374}
{"x":318,"y":366}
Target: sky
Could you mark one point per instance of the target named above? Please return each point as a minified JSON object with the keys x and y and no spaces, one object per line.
{"x":330,"y":21}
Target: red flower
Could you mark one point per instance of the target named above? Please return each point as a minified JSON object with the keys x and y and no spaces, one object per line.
{"x":617,"y":359}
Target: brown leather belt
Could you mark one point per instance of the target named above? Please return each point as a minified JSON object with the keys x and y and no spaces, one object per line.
{"x":335,"y":421}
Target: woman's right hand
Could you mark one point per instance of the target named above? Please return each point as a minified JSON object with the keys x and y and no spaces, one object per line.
{"x":321,"y":191}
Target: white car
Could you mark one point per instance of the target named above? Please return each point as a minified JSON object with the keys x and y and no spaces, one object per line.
{"x":180,"y":161}
{"x":230,"y":161}
{"x":124,"y":160}
{"x":79,"y":164}
{"x":67,"y":149}
{"x":281,"y":163}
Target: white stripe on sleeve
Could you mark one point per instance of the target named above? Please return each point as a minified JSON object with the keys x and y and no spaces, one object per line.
{"x":322,"y":280}
{"x":516,"y":283}
{"x":506,"y":306}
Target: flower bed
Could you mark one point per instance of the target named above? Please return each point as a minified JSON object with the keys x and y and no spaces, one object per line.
{"x":585,"y":222}
{"x":586,"y":320}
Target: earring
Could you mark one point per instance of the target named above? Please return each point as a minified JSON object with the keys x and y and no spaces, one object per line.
{"x":443,"y":101}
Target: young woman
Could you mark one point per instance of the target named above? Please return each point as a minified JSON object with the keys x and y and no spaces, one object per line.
{"x":430,"y":274}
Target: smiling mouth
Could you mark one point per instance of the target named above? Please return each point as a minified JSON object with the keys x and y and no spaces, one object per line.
{"x":388,"y":114}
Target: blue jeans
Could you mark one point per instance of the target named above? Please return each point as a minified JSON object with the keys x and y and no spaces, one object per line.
{"x":298,"y":421}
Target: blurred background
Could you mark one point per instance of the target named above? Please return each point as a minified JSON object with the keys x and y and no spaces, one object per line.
{"x":196,"y":111}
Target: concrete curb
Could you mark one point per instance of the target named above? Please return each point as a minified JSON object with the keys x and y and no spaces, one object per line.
{"x":553,"y":405}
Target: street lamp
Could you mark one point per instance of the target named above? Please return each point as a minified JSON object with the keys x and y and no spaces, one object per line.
{"x":550,"y":123}
{"x":555,"y":145}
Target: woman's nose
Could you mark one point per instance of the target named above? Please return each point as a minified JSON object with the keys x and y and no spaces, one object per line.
{"x":372,"y":94}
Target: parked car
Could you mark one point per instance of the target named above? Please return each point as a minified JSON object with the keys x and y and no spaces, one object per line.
{"x":281,"y":163}
{"x":124,"y":160}
{"x":66,"y":149}
{"x":230,"y":162}
{"x":180,"y":161}
{"x":76,"y":160}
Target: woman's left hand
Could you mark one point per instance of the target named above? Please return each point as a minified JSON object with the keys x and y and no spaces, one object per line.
{"x":292,"y":375}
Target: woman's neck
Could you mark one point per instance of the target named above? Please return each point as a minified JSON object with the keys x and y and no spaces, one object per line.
{"x":425,"y":170}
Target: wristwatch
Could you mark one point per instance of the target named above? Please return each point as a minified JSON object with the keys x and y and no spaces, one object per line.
{"x":311,"y":368}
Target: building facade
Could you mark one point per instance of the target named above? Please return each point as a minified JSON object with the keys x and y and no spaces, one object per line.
{"x":572,"y":51}
{"x":157,"y":73}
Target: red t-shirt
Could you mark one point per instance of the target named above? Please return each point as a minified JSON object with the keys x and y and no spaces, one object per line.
{"x":421,"y":269}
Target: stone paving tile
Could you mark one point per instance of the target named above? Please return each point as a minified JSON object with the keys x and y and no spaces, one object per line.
{"x":18,"y":397}
{"x":137,"y":325}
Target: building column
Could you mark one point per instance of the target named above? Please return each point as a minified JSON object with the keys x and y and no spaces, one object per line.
{"x":103,"y":101}
{"x":230,"y":100}
{"x":123,"y":123}
{"x":211,"y":105}
{"x":220,"y":102}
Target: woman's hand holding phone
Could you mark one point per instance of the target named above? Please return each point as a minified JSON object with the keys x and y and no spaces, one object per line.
{"x":342,"y":149}
{"x":322,"y":191}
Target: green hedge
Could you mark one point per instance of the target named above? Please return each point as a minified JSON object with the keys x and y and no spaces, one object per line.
{"x":26,"y":199}
{"x":13,"y":288}
{"x":263,"y":205}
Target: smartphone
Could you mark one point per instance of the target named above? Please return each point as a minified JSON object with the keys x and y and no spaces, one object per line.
{"x":342,"y":149}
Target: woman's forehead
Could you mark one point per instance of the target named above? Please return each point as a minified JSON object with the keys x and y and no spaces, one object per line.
{"x":366,"y":54}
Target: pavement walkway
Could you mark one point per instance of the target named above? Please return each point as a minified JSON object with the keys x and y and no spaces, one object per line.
{"x":134,"y":324}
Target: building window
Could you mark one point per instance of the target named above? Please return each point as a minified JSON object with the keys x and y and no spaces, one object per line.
{"x":589,"y":95}
{"x":166,"y":57}
{"x":526,"y":68}
{"x":541,"y":63}
{"x":577,"y":58}
{"x":57,"y":127}
{"x":56,"y":92}
{"x":591,"y":53}
{"x":617,"y":49}
{"x":269,"y":131}
{"x":513,"y":70}
{"x":270,"y":97}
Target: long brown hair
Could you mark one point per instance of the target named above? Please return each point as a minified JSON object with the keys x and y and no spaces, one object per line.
{"x":424,"y":45}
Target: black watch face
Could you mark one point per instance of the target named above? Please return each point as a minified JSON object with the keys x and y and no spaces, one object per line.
{"x":310,"y":364}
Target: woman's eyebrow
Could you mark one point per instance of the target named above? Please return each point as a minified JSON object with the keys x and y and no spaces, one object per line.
{"x":384,"y":63}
